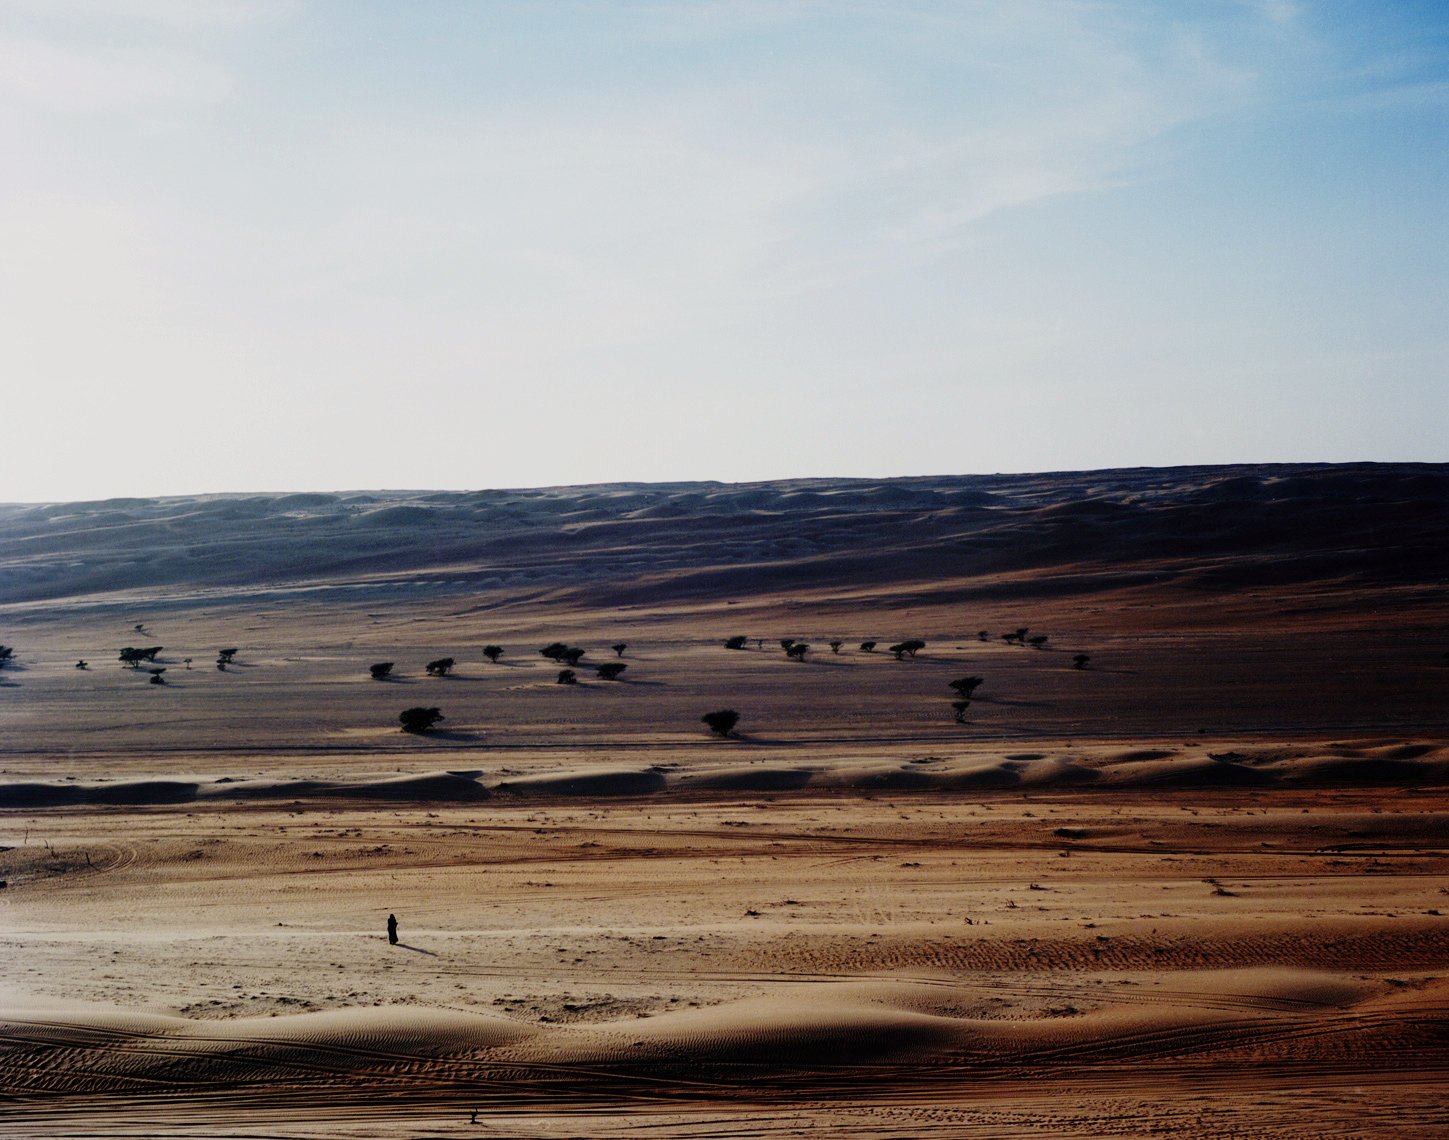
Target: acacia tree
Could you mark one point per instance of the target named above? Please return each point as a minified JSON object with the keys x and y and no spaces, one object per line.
{"x":380,"y":670}
{"x":721,"y":721}
{"x":610,"y":670}
{"x":966,"y":686}
{"x":867,"y":646}
{"x":554,"y":650}
{"x":1079,"y":661}
{"x":797,"y":650}
{"x":960,"y":707}
{"x":567,"y":677}
{"x":440,"y":667}
{"x":572,"y":656}
{"x":907,"y":648}
{"x":493,"y":652}
{"x":786,"y":642}
{"x":226,"y":655}
{"x":1037,"y":641}
{"x":835,"y":646}
{"x":983,"y":635}
{"x":735,"y":642}
{"x":619,"y":649}
{"x":418,"y":720}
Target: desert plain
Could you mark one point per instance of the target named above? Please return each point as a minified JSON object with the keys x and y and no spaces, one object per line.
{"x":1196,"y":885}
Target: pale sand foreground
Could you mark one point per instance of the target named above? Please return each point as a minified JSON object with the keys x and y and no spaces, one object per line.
{"x":1194,"y":889}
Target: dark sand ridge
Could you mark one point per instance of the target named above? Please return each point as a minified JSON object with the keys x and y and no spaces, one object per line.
{"x":1196,"y":888}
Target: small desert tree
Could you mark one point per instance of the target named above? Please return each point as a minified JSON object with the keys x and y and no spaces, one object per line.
{"x":721,"y":721}
{"x":82,"y":663}
{"x":419,"y":720}
{"x":610,"y":670}
{"x":966,"y":686}
{"x":907,"y":648}
{"x":1037,"y":641}
{"x":572,"y":656}
{"x":983,"y":635}
{"x":835,"y":646}
{"x":959,"y":708}
{"x":567,"y":677}
{"x":786,"y":642}
{"x":735,"y":642}
{"x":797,"y":650}
{"x":554,"y":650}
{"x":226,"y":654}
{"x":493,"y":652}
{"x":619,"y":648}
{"x":1079,"y":661}
{"x":380,"y":670}
{"x":441,"y":667}
{"x":867,"y":646}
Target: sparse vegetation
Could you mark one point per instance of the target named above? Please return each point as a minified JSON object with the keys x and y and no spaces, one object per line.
{"x":441,"y":667}
{"x":1079,"y":661}
{"x":867,"y":646}
{"x":610,"y":670}
{"x":493,"y":653}
{"x":903,"y":649}
{"x":567,"y":677}
{"x":786,"y":642}
{"x":572,"y":656}
{"x":735,"y":642}
{"x":418,"y":719}
{"x":959,"y":708}
{"x":381,"y":670}
{"x":721,"y":721}
{"x":983,"y":635}
{"x":797,"y":650}
{"x":226,"y":655}
{"x":619,"y":648}
{"x":1018,"y":636}
{"x":554,"y":650}
{"x":835,"y":646}
{"x":82,"y":664}
{"x":1037,"y":641}
{"x":133,"y":657}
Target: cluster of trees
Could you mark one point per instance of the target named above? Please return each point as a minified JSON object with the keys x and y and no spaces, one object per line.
{"x":797,"y":649}
{"x":563,"y":654}
{"x":133,"y":657}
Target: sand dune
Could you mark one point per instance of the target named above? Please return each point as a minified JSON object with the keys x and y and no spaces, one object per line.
{"x":1198,"y":887}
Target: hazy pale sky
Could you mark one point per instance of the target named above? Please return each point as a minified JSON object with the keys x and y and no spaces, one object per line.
{"x":277,"y":244}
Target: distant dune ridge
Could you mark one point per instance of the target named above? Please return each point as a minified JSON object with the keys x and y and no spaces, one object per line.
{"x":1217,"y":527}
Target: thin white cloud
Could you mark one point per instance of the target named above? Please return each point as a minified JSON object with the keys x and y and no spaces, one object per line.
{"x":93,"y":78}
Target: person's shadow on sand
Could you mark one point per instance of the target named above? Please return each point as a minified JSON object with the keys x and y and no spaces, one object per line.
{"x":417,"y":949}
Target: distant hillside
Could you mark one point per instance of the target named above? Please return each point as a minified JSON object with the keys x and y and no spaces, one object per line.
{"x":1210,"y":527}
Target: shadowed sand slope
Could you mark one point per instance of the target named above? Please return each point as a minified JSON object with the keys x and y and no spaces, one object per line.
{"x":822,"y":1040}
{"x":1217,"y":527}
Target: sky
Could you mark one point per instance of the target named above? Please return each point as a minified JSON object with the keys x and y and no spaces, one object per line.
{"x":256,"y":245}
